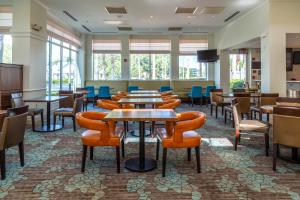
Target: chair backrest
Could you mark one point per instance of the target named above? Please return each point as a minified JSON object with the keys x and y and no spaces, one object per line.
{"x":94,"y":121}
{"x":17,"y":111}
{"x":243,"y":99}
{"x":196,"y":91}
{"x":235,"y":90}
{"x":286,"y":126}
{"x":236,"y":113}
{"x":214,"y":95}
{"x":289,"y":102}
{"x":91,"y":91}
{"x":107,"y":105}
{"x":67,"y":102}
{"x":78,"y":105}
{"x":171,"y":104}
{"x":208,"y":90}
{"x":132,"y":87}
{"x":104,"y":92}
{"x":268,"y":99}
{"x":165,"y":88}
{"x":187,"y":121}
{"x":17,"y":99}
{"x":13,"y":130}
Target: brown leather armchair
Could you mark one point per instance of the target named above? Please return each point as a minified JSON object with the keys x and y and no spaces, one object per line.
{"x":286,"y":126}
{"x":217,"y":101}
{"x":99,"y":133}
{"x":67,"y":102}
{"x":69,"y":112}
{"x":242,"y":125}
{"x":182,"y":135}
{"x":12,"y":134}
{"x":17,"y":101}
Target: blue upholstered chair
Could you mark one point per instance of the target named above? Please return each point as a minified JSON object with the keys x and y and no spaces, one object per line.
{"x":104,"y":92}
{"x":132,"y":88}
{"x":91,"y":94}
{"x":196,"y":93}
{"x":207,"y":92}
{"x":165,"y":88}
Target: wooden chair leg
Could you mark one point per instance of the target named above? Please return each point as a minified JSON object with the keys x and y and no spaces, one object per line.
{"x":237,"y":136}
{"x":225,"y":117}
{"x":157,"y":149}
{"x":125,"y":129}
{"x":153,"y":128}
{"x":192,"y":102}
{"x":211,"y":109}
{"x":118,"y":158}
{"x":21,"y":153}
{"x":2,"y":163}
{"x":63,"y":121}
{"x":275,"y":151}
{"x":33,"y":122}
{"x":216,"y":112}
{"x":165,"y":151}
{"x":42,"y":118}
{"x":268,"y":117}
{"x":267,"y":143}
{"x":189,"y":154}
{"x":91,"y":153}
{"x":197,"y":150}
{"x":123,"y":147}
{"x":74,"y":123}
{"x":84,"y":150}
{"x":222,"y":110}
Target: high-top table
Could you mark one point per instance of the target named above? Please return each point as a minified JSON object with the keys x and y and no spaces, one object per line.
{"x":141,"y":163}
{"x":143,"y":96}
{"x":47,"y":99}
{"x":144,"y":92}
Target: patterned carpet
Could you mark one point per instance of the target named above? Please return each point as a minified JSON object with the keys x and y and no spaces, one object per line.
{"x":52,"y":170}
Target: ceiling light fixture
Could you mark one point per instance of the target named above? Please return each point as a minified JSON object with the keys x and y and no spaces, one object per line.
{"x":113,"y":22}
{"x":151,"y":17}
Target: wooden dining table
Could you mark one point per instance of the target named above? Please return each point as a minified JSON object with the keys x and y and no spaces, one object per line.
{"x":231,"y":95}
{"x":141,"y":102}
{"x":141,"y":163}
{"x":47,"y":99}
{"x":144,"y":92}
{"x":143,"y":96}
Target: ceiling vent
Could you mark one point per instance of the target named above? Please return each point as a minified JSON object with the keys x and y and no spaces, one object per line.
{"x":116,"y":10}
{"x":232,"y":16}
{"x":124,"y":28}
{"x":175,"y":29}
{"x":69,"y":15}
{"x":195,"y":32}
{"x":212,"y":10}
{"x":182,"y":10}
{"x":104,"y":32}
{"x":150,"y":32}
{"x":86,"y":28}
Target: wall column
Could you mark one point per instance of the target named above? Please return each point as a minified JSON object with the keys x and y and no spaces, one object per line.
{"x":125,"y":57}
{"x":29,"y":46}
{"x":222,"y":71}
{"x":89,"y":58}
{"x":174,"y":73}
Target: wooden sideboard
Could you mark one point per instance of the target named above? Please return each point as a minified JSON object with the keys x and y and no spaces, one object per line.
{"x":11,"y":80}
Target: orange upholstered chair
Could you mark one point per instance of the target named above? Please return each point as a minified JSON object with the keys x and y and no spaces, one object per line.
{"x":170,"y":104}
{"x":166,"y":93}
{"x":99,"y":133}
{"x":182,"y":135}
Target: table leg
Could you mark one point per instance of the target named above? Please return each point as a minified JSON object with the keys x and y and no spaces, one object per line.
{"x":141,"y":164}
{"x":48,"y":115}
{"x":136,"y":133}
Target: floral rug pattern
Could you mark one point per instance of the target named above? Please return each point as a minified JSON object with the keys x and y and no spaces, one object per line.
{"x":52,"y":169}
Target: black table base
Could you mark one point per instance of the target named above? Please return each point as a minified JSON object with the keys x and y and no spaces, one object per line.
{"x":136,"y":133}
{"x":133,"y":164}
{"x":46,"y":128}
{"x":141,"y":164}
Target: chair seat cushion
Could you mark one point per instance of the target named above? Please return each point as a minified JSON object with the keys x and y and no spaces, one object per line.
{"x":253,"y":125}
{"x":64,"y":111}
{"x":228,"y":108}
{"x":93,"y":138}
{"x":190,"y":139}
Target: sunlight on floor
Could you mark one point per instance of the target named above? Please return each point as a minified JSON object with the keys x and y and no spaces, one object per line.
{"x":217,"y":142}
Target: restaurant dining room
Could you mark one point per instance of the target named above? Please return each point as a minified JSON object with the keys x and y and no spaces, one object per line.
{"x":149,"y":99}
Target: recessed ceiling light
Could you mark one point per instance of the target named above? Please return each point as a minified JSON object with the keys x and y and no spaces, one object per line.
{"x":113,"y":22}
{"x":213,"y":16}
{"x":191,"y":16}
{"x":151,"y":17}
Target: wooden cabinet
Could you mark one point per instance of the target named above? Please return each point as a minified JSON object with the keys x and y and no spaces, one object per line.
{"x":11,"y":80}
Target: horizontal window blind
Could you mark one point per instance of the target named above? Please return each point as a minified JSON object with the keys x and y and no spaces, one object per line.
{"x":150,"y":46}
{"x":107,"y":46}
{"x":190,"y":47}
{"x":62,"y":34}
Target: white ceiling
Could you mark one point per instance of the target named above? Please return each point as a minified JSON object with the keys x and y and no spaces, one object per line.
{"x":92,"y":14}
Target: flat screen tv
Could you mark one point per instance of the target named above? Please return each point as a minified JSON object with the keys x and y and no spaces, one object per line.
{"x":207,"y":55}
{"x":296,"y":58}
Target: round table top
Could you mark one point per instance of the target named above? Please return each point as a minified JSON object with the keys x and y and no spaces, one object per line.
{"x":267,"y":109}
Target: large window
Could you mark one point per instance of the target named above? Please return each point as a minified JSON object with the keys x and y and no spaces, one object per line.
{"x":237,"y":70}
{"x":5,"y":48}
{"x":150,"y":59}
{"x":62,"y":68}
{"x":189,"y":67}
{"x":107,"y":59}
